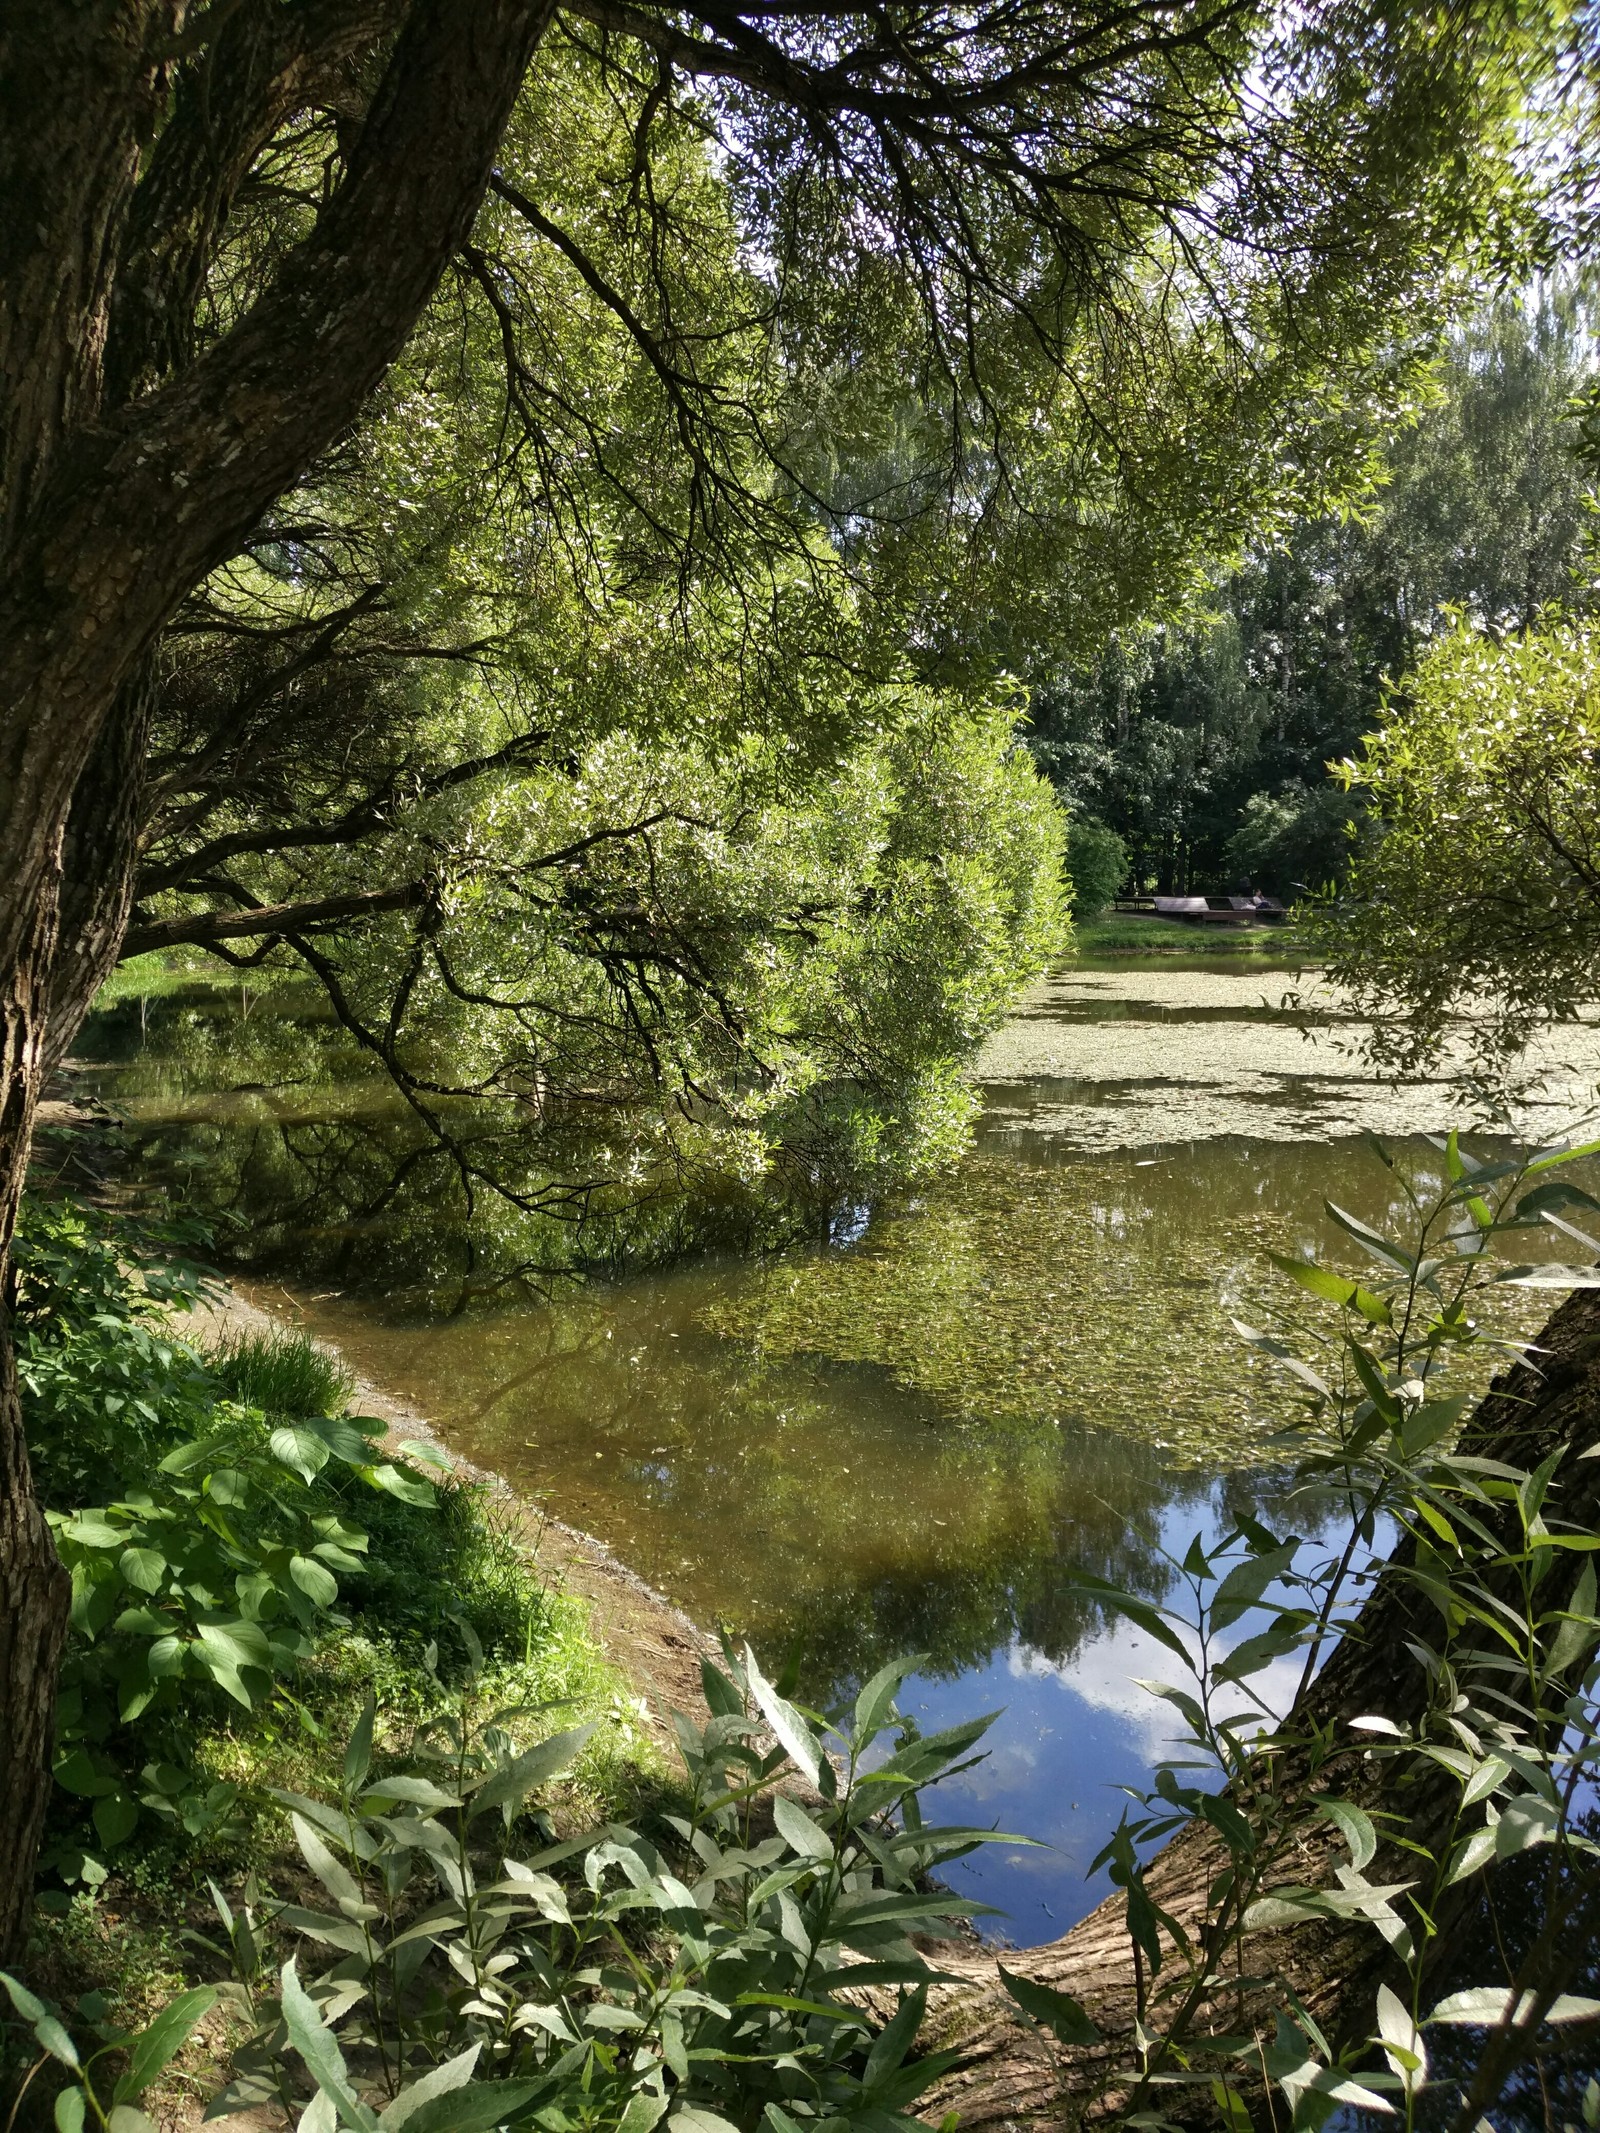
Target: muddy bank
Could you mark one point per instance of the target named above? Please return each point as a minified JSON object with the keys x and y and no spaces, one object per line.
{"x":652,"y":1642}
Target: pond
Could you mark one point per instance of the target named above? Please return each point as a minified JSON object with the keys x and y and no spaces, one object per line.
{"x":908,"y":1440}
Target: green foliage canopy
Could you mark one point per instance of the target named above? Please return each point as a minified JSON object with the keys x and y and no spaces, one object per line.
{"x":1481,"y":896}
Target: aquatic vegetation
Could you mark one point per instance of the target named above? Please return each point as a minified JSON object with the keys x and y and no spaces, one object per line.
{"x":1027,"y":1295}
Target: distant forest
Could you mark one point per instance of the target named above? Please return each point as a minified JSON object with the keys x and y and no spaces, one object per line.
{"x":1202,"y":742}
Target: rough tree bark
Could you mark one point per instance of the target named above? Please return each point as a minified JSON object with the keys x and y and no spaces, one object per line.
{"x":1006,"y":2079}
{"x":123,"y":480}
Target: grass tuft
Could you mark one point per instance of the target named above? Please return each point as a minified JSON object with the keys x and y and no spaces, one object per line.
{"x":281,"y":1373}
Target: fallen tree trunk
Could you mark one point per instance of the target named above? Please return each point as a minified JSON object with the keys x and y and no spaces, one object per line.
{"x":1007,"y":2077}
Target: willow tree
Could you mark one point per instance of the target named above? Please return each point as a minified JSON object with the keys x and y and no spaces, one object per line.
{"x":1065,"y":282}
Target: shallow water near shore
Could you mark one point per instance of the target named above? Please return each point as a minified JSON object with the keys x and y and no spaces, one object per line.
{"x":910,"y":1439}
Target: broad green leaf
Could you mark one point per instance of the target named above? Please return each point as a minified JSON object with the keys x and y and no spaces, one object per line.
{"x":115,"y":1818}
{"x":318,"y":2047}
{"x":154,"y":2046}
{"x":235,"y":1644}
{"x":1056,"y":2011}
{"x":399,"y":1481}
{"x":298,"y":1447}
{"x":142,"y":1568}
{"x":314,"y":1580}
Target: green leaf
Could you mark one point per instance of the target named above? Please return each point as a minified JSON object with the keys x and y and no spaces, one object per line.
{"x":235,"y":1644}
{"x":142,"y":1568}
{"x":26,"y":2003}
{"x":443,"y":2080}
{"x":314,"y":1580}
{"x":76,"y":1773}
{"x":1251,"y":1654}
{"x":1139,"y":1612}
{"x":798,"y":1830}
{"x":92,"y":1529}
{"x":334,"y":1875}
{"x":128,"y":2118}
{"x":793,"y":1734}
{"x":509,"y":1787}
{"x":1381,"y":1248}
{"x":1334,"y":1288}
{"x":1578,"y":1631}
{"x":722,"y":1698}
{"x":154,"y":2046}
{"x":410,"y":1792}
{"x":115,"y":1818}
{"x":297,"y":1446}
{"x":1354,"y":1824}
{"x":317,"y":2046}
{"x":876,"y":1700}
{"x":69,"y":2111}
{"x":358,"y":1752}
{"x":1247,"y":1581}
{"x":400,"y":1482}
{"x":694,"y":2118}
{"x":645,"y":2109}
{"x":1484,"y":2006}
{"x":473,"y":2109}
{"x":1056,"y":2011}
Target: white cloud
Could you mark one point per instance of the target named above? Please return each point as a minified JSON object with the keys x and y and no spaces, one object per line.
{"x":1106,"y":1672}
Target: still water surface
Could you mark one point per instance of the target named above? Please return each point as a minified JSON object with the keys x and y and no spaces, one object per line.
{"x":907,"y":1441}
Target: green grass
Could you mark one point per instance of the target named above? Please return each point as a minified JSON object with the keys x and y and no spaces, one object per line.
{"x":1130,"y":933}
{"x":281,"y":1373}
{"x":154,"y":976}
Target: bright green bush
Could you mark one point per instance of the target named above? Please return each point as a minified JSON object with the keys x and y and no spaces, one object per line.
{"x":1097,"y":863}
{"x":200,"y":1505}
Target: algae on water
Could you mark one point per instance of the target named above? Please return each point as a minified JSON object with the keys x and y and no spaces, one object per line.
{"x":1021,"y":1294}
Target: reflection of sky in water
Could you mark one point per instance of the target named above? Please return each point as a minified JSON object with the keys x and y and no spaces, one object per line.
{"x":1068,"y":1737}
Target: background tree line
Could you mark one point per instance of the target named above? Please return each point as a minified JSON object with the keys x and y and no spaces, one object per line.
{"x":1203,"y":742}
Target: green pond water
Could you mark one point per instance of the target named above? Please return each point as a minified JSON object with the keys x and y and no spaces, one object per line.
{"x":903,"y":1440}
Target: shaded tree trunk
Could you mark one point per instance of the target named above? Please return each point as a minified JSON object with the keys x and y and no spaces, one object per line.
{"x":1008,"y":2079}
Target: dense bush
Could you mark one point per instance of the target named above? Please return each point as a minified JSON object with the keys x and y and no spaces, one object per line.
{"x":452,"y":1980}
{"x":217,"y":1514}
{"x":1097,"y":862}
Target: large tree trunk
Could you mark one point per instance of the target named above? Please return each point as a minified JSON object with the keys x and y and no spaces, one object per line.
{"x":1007,"y":2079}
{"x":127,"y":471}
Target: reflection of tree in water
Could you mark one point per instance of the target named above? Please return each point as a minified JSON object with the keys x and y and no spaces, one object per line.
{"x":312,"y":1163}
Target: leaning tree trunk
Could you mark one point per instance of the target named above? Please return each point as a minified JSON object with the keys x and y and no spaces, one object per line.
{"x":1006,"y":2078}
